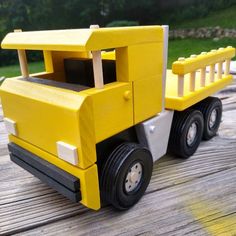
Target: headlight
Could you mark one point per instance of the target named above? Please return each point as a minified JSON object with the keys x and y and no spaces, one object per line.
{"x":67,"y":152}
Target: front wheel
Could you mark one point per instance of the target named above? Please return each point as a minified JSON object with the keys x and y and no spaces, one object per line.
{"x":126,"y":175}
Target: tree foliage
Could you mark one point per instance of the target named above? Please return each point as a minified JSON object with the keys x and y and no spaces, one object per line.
{"x":58,"y":14}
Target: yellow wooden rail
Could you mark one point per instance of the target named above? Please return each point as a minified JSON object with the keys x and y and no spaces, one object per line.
{"x":199,"y":62}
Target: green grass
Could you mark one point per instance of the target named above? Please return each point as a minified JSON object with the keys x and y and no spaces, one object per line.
{"x":177,"y":48}
{"x":14,"y":70}
{"x":225,"y":18}
{"x":186,"y":47}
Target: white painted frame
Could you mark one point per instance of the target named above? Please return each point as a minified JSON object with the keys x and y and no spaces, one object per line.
{"x":165,"y":58}
{"x":154,"y":133}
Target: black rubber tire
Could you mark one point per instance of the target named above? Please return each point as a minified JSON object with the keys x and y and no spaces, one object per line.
{"x":206,"y":107}
{"x":114,"y":172}
{"x":182,"y":121}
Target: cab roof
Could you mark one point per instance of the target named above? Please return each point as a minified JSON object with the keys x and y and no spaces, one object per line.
{"x":83,"y":39}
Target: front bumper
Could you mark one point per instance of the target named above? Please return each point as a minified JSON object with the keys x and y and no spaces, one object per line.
{"x":63,"y":182}
{"x":72,"y":181}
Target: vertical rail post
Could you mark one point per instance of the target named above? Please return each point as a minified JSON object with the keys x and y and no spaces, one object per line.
{"x":220,"y":67}
{"x":203,"y":77}
{"x":212,"y":73}
{"x":165,"y":58}
{"x":212,"y":69}
{"x":203,"y":73}
{"x":181,"y":81}
{"x":192,"y":81}
{"x":219,"y":70}
{"x":180,"y":85}
{"x":22,"y":60}
{"x":97,"y":65}
{"x":227,"y":66}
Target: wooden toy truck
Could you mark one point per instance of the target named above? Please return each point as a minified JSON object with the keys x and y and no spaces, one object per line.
{"x":106,"y":108}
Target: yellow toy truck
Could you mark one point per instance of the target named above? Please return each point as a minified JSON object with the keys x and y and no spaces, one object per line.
{"x":106,"y":108}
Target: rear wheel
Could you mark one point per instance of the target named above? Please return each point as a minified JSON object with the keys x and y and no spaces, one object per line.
{"x":126,"y":175}
{"x":211,"y":109}
{"x":186,"y":133}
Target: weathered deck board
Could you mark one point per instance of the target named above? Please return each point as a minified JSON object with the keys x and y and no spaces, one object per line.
{"x":185,"y":197}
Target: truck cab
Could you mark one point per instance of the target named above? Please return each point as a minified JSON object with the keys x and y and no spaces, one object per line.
{"x":62,"y":108}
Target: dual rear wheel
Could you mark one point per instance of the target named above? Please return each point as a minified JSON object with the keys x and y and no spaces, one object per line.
{"x":211,"y":108}
{"x":189,"y":127}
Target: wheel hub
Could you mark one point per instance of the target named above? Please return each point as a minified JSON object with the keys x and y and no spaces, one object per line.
{"x":213,"y":118}
{"x":133,"y":177}
{"x":192,"y":132}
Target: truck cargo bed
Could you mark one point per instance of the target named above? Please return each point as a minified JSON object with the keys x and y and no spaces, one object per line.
{"x":175,"y":102}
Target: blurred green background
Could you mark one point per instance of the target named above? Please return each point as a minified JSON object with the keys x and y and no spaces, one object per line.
{"x":59,"y":14}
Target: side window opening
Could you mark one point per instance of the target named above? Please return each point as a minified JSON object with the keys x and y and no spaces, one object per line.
{"x":67,"y":70}
{"x":35,"y":62}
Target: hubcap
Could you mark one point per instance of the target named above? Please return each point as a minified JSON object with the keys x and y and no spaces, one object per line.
{"x":133,"y":177}
{"x":192,"y":132}
{"x":212,"y":119}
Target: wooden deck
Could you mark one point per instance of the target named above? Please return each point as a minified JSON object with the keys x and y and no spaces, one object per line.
{"x":185,"y":197}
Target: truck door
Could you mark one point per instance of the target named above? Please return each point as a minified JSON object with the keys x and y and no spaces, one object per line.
{"x":112,"y":105}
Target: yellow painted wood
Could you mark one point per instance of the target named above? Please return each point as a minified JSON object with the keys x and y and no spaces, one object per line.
{"x":58,"y":57}
{"x":139,"y":61}
{"x":111,"y":55}
{"x":200,"y":61}
{"x":89,"y":185}
{"x":112,"y":111}
{"x":122,"y":64}
{"x":82,"y":39}
{"x":143,"y":64}
{"x":147,"y":97}
{"x":43,"y":75}
{"x":206,"y":83}
{"x":190,"y":98}
{"x":48,"y":63}
{"x":45,"y":115}
{"x":200,"y":209}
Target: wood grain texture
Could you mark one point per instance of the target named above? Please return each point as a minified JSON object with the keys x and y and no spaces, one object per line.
{"x":196,"y":196}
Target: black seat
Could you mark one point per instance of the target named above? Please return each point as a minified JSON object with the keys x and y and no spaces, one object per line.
{"x":80,"y":71}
